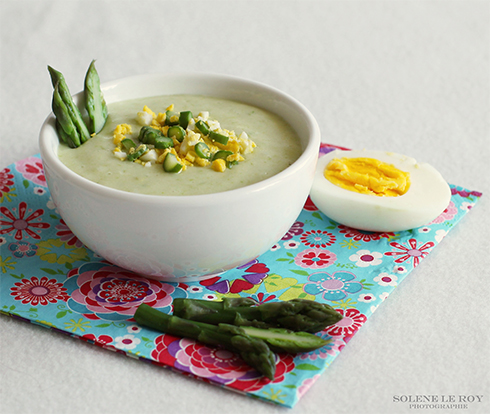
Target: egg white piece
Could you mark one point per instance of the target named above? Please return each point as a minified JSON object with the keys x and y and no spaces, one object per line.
{"x":428,"y":196}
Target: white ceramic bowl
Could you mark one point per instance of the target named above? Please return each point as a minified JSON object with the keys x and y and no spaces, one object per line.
{"x":266,"y":209}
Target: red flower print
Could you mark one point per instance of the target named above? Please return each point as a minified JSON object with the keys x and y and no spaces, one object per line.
{"x":410,"y":252}
{"x":284,"y":364}
{"x":309,"y":205}
{"x":215,"y":364}
{"x":160,"y":354}
{"x":364,"y":236}
{"x":255,"y":273}
{"x":5,"y":182}
{"x":103,"y":341}
{"x":32,"y":169}
{"x":98,"y":340}
{"x":350,"y":323}
{"x":110,"y":292}
{"x":66,"y":235}
{"x":262,"y":298}
{"x":315,"y":258}
{"x":39,"y":292}
{"x":318,"y":238}
{"x":22,"y":224}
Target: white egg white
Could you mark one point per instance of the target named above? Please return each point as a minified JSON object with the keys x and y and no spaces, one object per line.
{"x":428,"y":196}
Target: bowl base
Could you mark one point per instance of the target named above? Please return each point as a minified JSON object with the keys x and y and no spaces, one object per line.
{"x":184,"y":279}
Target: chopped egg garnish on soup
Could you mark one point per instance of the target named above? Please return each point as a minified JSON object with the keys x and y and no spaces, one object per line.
{"x":179,"y":140}
{"x":378,"y":191}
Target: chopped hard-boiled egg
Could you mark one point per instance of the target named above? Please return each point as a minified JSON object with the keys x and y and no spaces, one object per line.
{"x":178,"y":140}
{"x":378,"y":191}
{"x":144,"y":118}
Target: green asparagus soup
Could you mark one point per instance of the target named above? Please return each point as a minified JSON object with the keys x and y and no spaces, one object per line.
{"x":268,"y":145}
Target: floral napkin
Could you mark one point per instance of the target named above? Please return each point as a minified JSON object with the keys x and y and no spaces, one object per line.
{"x":50,"y":278}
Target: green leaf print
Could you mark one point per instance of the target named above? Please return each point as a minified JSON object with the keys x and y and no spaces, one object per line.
{"x":103,"y":325}
{"x":49,"y":271}
{"x":61,"y":314}
{"x":307,"y":367}
{"x":300,"y":272}
{"x":317,"y":215}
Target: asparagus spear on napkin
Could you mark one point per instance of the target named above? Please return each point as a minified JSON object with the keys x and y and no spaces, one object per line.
{"x":296,"y":314}
{"x":254,"y":351}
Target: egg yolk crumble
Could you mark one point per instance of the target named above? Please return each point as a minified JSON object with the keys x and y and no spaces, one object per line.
{"x":368,"y":176}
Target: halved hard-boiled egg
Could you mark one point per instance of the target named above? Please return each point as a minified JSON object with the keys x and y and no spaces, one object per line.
{"x":378,"y":191}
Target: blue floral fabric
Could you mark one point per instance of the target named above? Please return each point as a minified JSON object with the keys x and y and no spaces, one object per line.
{"x":49,"y":277}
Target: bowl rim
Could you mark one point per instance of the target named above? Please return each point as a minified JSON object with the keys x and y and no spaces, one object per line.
{"x":49,"y":156}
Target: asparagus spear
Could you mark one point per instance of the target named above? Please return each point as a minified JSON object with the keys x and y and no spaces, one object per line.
{"x":296,"y":314}
{"x":94,"y":100}
{"x":254,"y":352}
{"x":64,"y":123}
{"x":64,"y":136}
{"x":280,"y":339}
{"x":70,"y":109}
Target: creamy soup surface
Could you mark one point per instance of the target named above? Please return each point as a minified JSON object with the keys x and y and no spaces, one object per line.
{"x":278,"y":146}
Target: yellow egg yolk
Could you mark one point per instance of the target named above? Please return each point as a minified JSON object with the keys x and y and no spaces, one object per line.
{"x":368,"y":176}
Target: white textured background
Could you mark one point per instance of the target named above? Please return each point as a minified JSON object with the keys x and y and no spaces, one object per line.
{"x":407,"y":76}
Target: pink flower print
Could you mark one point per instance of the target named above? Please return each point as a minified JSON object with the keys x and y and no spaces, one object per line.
{"x":32,"y":169}
{"x":66,"y":235}
{"x":306,"y":385}
{"x":365,"y":258}
{"x":350,"y":323}
{"x":6,"y":182}
{"x":410,"y":252}
{"x":315,"y":258}
{"x":318,"y":238}
{"x":399,"y":269}
{"x":109,"y":292}
{"x":216,"y":364}
{"x":295,"y":230}
{"x":366,"y":297}
{"x":291,"y":244}
{"x":22,"y":248}
{"x":332,"y":287}
{"x":447,"y":214}
{"x":365,"y":236}
{"x":466,"y":206}
{"x":126,"y":342}
{"x":22,"y":223}
{"x":133,"y":329}
{"x":39,"y":291}
{"x":39,"y":191}
{"x":385,"y":279}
